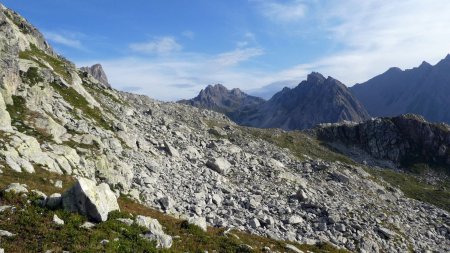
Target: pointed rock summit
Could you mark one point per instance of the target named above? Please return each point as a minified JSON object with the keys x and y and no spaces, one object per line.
{"x":98,"y":73}
{"x":316,"y":100}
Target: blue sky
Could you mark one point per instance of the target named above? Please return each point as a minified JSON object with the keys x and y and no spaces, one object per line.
{"x":172,"y":49}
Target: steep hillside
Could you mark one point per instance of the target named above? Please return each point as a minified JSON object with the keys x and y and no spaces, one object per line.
{"x":234,"y":103}
{"x":424,"y":90}
{"x":316,"y":100}
{"x":175,"y":169}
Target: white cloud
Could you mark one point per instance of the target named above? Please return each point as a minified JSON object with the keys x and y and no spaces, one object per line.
{"x":374,"y":35}
{"x":290,"y":11}
{"x":366,"y":37}
{"x":181,"y":76}
{"x":163,"y":45}
{"x":63,"y":39}
{"x":236,"y":56}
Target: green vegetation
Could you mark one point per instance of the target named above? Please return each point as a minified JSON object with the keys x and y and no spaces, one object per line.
{"x":438,"y":195}
{"x":32,"y":76}
{"x":97,"y":90}
{"x":41,"y":180}
{"x":36,"y":232}
{"x":300,"y":144}
{"x":58,"y":64}
{"x":22,"y":117}
{"x":76,"y":100}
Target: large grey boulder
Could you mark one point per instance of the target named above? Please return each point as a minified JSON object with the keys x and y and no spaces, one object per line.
{"x":88,"y":199}
{"x":154,"y":231}
{"x":220,"y":165}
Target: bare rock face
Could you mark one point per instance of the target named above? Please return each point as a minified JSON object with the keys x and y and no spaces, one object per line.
{"x":98,"y":73}
{"x":88,"y":199}
{"x":403,"y":139}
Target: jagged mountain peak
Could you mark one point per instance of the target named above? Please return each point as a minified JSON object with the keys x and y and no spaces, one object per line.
{"x":315,"y":100}
{"x":98,"y":73}
{"x":315,"y":77}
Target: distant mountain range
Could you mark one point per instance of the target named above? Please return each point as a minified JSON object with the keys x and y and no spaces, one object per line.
{"x":316,"y":100}
{"x":234,"y":103}
{"x":424,"y":90}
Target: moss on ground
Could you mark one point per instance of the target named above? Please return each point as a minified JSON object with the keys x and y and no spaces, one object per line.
{"x":58,"y":64}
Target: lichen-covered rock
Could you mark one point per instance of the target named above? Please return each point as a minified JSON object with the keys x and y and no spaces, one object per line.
{"x":88,"y":199}
{"x":154,"y":231}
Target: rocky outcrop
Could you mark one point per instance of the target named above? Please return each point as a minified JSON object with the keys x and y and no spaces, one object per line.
{"x":91,"y":200}
{"x":98,"y":73}
{"x":423,"y":90}
{"x":405,"y":139}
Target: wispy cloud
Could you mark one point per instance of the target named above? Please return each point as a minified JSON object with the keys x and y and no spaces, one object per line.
{"x":65,"y":39}
{"x":236,"y":56}
{"x":290,"y":11}
{"x":181,"y":75}
{"x":163,"y":45}
{"x":374,"y":35}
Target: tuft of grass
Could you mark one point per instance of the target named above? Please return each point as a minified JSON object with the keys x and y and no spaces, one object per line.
{"x":41,"y":180}
{"x":32,"y":76}
{"x":76,"y":100}
{"x":58,"y":64}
